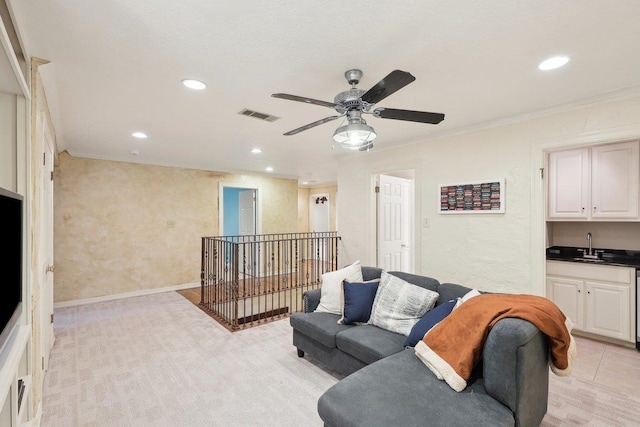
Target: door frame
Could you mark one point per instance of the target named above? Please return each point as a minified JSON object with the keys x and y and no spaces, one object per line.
{"x":258,"y":205}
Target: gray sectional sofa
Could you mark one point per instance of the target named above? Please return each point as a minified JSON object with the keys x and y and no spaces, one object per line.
{"x":385,"y":384}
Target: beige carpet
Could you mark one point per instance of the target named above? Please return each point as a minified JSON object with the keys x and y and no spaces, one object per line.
{"x":159,"y":361}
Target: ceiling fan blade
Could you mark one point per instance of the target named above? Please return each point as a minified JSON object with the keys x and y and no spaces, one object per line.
{"x":303,"y":99}
{"x":394,"y":81}
{"x":409,"y":115}
{"x":311,"y":125}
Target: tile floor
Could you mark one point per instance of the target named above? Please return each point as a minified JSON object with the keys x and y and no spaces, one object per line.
{"x":608,"y":364}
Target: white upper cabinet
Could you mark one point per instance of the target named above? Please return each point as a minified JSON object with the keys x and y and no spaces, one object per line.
{"x":614,"y":181}
{"x":569,"y":184}
{"x":597,"y":183}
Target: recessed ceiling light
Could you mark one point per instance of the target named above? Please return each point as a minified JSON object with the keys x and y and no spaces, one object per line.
{"x":140,"y":135}
{"x":553,"y":63}
{"x":194,"y":84}
{"x":269,"y":169}
{"x":305,"y":182}
{"x":256,"y":151}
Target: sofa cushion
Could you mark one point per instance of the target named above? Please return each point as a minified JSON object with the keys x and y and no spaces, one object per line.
{"x":370,"y":273}
{"x":399,"y":304}
{"x":422,"y":281}
{"x":357,"y":299}
{"x":449,"y":291}
{"x":428,"y":321}
{"x":321,"y":327}
{"x":400,"y":391}
{"x":369,"y":343}
{"x":330,"y":289}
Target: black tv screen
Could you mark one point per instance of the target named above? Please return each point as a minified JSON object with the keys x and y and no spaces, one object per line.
{"x":11,"y":214}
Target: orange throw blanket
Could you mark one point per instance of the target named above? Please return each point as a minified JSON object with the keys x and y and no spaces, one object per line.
{"x":454,"y":346}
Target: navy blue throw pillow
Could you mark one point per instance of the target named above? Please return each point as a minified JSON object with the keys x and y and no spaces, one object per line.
{"x":428,"y":321}
{"x":358,"y":299}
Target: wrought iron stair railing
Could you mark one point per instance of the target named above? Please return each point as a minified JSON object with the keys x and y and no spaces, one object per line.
{"x":252,"y":279}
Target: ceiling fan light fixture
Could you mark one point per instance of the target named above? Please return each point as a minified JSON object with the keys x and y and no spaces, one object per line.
{"x":367,"y":147}
{"x":354,"y":136}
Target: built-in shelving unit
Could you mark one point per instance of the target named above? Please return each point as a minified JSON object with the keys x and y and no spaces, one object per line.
{"x":15,"y":379}
{"x":16,"y":355}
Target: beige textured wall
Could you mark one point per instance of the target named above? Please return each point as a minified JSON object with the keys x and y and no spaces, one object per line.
{"x":303,"y":210}
{"x":497,"y":252}
{"x":123,"y":227}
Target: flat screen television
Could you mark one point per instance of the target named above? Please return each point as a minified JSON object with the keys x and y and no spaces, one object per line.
{"x":11,"y":223}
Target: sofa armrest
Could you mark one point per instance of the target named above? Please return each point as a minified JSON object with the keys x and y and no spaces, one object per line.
{"x":516,"y":369}
{"x":310,"y":300}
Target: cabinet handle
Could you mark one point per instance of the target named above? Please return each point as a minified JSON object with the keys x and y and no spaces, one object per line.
{"x":594,"y":208}
{"x":582,"y":209}
{"x":579,"y":291}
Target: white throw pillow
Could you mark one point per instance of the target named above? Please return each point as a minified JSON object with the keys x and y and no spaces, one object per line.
{"x":399,"y":304}
{"x":331,"y":288}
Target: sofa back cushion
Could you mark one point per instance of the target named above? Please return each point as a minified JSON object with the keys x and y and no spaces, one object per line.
{"x":451,"y":291}
{"x":422,"y":281}
{"x":370,"y":273}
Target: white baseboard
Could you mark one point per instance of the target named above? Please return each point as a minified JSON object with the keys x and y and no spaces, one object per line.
{"x":82,"y":301}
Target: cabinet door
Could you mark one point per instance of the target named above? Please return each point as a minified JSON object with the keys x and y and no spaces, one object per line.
{"x":567,"y":294}
{"x":607,"y":310}
{"x":614,"y":186}
{"x":569,"y":187}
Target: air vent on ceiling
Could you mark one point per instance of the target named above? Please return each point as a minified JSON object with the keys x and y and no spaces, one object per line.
{"x":261,"y":116}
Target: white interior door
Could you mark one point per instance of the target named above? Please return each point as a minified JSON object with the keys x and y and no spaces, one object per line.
{"x":394,"y":223}
{"x":46,"y":199}
{"x":247,"y":212}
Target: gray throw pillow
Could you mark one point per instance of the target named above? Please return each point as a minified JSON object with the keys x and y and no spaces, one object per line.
{"x":399,"y":305}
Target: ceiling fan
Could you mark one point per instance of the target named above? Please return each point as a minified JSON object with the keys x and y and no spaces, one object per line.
{"x":353,"y":103}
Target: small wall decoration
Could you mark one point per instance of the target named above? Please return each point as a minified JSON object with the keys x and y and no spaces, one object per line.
{"x":472,"y":197}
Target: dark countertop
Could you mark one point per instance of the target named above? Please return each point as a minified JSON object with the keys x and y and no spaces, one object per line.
{"x":616,"y":257}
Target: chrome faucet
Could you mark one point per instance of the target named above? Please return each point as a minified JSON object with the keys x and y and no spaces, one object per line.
{"x":589,"y":253}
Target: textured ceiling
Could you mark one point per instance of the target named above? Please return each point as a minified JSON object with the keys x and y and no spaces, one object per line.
{"x":116,"y":67}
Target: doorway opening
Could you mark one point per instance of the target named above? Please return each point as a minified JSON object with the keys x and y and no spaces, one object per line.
{"x":239,"y":210}
{"x":319,"y":212}
{"x":239,"y":214}
{"x":395,"y":204}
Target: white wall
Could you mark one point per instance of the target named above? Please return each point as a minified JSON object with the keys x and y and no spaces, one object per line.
{"x":499,"y":252}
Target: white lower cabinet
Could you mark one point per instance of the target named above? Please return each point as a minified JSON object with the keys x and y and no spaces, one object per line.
{"x":599,"y":299}
{"x":567,"y":294}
